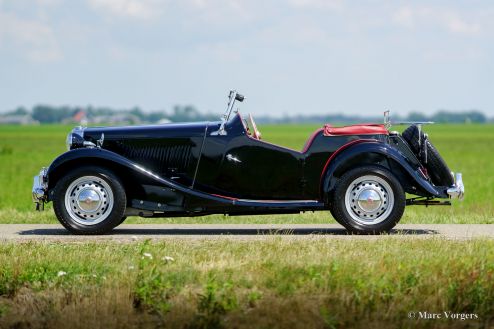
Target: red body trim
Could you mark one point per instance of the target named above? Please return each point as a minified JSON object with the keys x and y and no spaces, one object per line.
{"x":311,"y":139}
{"x":341,"y":148}
{"x":266,"y":201}
{"x":360,"y":129}
{"x":224,"y":197}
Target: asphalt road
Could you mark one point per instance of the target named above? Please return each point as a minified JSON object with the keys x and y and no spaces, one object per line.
{"x":136,"y":232}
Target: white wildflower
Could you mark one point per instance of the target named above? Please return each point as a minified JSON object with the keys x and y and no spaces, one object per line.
{"x":131,"y":267}
{"x":168,"y":259}
{"x":61,"y":273}
{"x":148,"y":255}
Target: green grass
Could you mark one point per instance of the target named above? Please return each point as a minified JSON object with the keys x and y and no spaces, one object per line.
{"x":466,"y":148}
{"x":317,"y":283}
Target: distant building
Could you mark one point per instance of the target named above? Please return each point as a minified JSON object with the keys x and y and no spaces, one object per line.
{"x":163,"y":121}
{"x":18,"y":119}
{"x":115,"y":119}
{"x":80,"y":117}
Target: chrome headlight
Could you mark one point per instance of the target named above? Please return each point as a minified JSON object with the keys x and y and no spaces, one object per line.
{"x":68,"y":141}
{"x":75,"y":138}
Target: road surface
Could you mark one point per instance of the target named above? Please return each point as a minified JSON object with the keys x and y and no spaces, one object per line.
{"x":136,"y":232}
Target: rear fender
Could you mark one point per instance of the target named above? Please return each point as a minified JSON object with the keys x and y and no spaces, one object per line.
{"x":373,"y":152}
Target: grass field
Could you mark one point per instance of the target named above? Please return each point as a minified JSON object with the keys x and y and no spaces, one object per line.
{"x":466,"y":148}
{"x":277,"y":282}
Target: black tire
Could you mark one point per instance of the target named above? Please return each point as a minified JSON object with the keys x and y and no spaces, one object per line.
{"x":331,"y":211}
{"x":437,"y":168}
{"x":386,"y":185}
{"x":76,"y":223}
{"x":330,"y":207}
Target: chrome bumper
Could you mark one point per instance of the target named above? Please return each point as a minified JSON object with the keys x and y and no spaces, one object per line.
{"x":457,"y":191}
{"x":40,"y":188}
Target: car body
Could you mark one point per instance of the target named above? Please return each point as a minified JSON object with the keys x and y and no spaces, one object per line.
{"x":224,"y":167}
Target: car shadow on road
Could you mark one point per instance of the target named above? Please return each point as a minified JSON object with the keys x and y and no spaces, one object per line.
{"x":224,"y":231}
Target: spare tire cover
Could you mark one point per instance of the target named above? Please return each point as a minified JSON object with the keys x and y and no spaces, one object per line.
{"x":436,"y":166}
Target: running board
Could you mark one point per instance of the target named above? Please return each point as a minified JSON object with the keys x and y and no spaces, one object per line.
{"x":242,"y":205}
{"x":280,"y":204}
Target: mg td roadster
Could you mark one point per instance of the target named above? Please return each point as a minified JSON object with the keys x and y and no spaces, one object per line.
{"x":361,"y":174}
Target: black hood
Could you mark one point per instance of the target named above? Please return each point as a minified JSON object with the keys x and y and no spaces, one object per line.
{"x":169,"y":130}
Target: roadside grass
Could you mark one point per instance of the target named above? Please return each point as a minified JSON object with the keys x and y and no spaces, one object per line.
{"x":274,"y":283}
{"x":466,"y":148}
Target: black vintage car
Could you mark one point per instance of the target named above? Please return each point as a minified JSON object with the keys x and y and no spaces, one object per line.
{"x":360,"y":173}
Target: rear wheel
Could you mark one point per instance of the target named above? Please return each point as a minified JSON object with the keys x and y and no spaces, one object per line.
{"x":89,"y":200}
{"x":368,"y":200}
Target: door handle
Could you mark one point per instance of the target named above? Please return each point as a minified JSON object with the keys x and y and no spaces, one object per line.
{"x":230,"y":157}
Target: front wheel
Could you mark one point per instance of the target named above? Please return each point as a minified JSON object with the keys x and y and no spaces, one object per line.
{"x":89,"y":200}
{"x":368,"y":200}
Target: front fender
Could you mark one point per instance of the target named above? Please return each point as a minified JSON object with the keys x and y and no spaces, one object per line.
{"x":93,"y":156}
{"x":373,"y":152}
{"x":97,"y":156}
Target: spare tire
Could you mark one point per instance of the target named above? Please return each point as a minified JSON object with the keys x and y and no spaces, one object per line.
{"x":436,"y":166}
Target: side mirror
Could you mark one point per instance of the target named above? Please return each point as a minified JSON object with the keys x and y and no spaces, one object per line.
{"x":239,"y":97}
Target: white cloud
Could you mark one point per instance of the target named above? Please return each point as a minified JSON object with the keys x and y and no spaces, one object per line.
{"x":318,"y":4}
{"x":48,"y":3}
{"x":138,"y":9}
{"x":33,"y":39}
{"x":457,"y":25}
{"x":404,"y":17}
{"x":449,"y":20}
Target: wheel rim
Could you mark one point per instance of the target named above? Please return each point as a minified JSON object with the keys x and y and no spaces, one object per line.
{"x":89,"y":200}
{"x":369,"y":200}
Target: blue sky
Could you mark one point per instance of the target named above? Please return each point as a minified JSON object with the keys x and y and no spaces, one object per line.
{"x":287,"y":57}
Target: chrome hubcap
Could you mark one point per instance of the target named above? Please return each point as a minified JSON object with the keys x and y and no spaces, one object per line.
{"x":369,"y":200}
{"x":89,"y":200}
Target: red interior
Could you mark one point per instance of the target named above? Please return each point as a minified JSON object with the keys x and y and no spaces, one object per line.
{"x":360,"y":129}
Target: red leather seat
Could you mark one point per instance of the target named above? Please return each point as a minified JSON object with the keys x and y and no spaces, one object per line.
{"x":360,"y":129}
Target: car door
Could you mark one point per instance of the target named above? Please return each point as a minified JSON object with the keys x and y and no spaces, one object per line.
{"x":256,"y":170}
{"x":236,"y":165}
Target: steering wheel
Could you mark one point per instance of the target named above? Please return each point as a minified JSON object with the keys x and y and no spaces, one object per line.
{"x":256,"y":134}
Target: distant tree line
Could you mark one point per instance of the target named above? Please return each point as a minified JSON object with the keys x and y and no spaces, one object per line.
{"x":439,"y":117}
{"x":444,"y":116}
{"x":57,"y":114}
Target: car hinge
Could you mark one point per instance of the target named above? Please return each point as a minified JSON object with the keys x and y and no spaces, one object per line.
{"x":303,"y":180}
